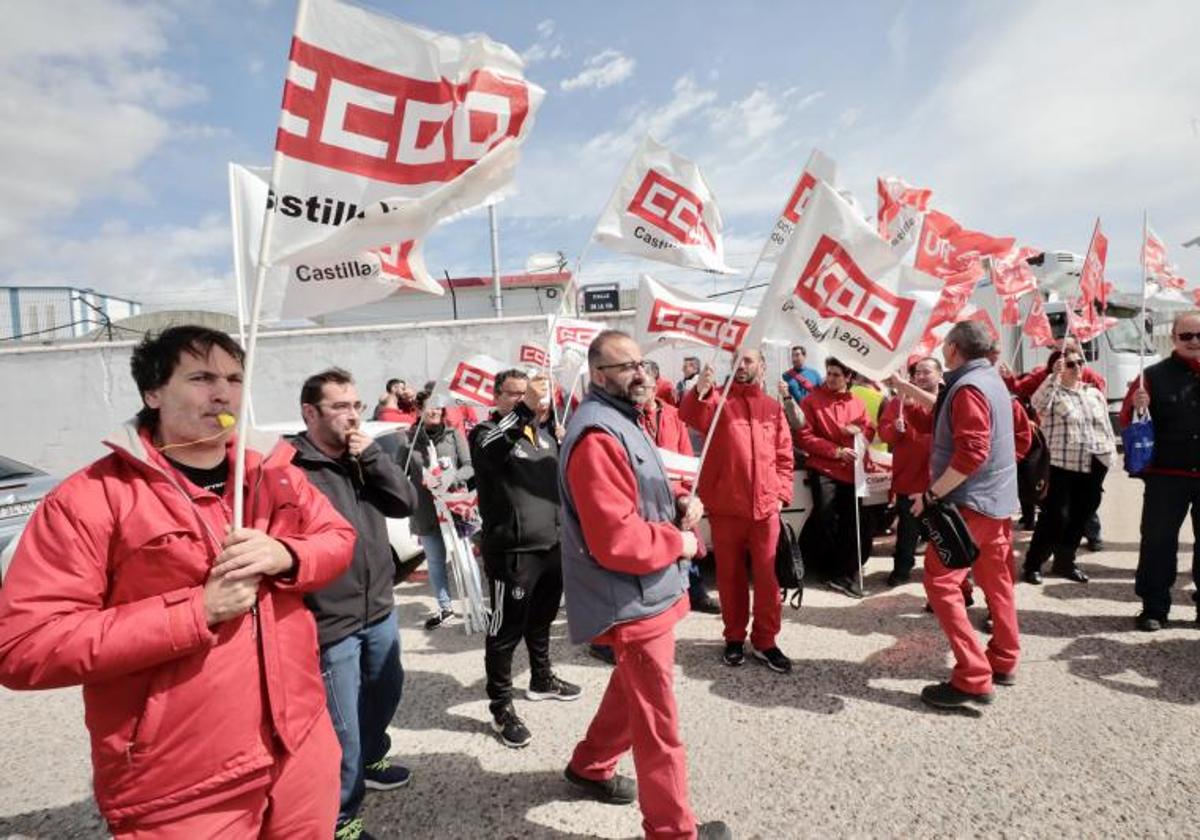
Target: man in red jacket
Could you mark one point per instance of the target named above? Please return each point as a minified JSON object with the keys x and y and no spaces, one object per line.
{"x":833,"y":418}
{"x":907,"y":426}
{"x":744,"y":483}
{"x":189,"y":634}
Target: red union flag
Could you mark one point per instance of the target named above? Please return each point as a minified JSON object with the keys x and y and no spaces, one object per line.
{"x":681,"y":468}
{"x":667,"y":316}
{"x":664,"y":210}
{"x":1091,"y":277}
{"x":573,"y":334}
{"x":899,"y":212}
{"x":1158,"y":269}
{"x":386,"y":129}
{"x":1011,"y":273}
{"x":838,"y":286}
{"x":833,"y":285}
{"x":818,"y":168}
{"x":948,"y":250}
{"x":1087,"y":323}
{"x":1010,"y":314}
{"x":471,"y":380}
{"x":532,"y":354}
{"x":1037,"y":325}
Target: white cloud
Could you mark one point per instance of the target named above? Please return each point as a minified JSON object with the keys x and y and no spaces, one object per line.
{"x":545,"y":28}
{"x":544,"y":48}
{"x":602,"y":70}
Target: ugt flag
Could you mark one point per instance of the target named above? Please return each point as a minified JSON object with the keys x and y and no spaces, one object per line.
{"x":1037,"y":325}
{"x":839,"y":285}
{"x":387,"y":129}
{"x":666,"y":316}
{"x":1159,"y":270}
{"x":664,"y":210}
{"x":818,"y":168}
{"x":1091,"y":277}
{"x":948,"y":250}
{"x":307,"y":289}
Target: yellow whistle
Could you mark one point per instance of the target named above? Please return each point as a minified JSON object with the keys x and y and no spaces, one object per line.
{"x":226,"y":420}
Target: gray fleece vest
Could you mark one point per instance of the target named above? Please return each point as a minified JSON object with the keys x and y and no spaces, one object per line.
{"x":598,"y":598}
{"x":992,"y":488}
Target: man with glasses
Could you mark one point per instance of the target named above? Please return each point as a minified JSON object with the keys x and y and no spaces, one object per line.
{"x":515,"y":454}
{"x":356,"y":620}
{"x":745,"y":482}
{"x":627,"y":537}
{"x":1170,"y":391}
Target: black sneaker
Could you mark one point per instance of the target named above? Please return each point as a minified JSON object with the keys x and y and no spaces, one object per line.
{"x":1095,"y":545}
{"x":715,"y":830}
{"x":352,"y":830}
{"x":945,"y":696}
{"x":510,"y":728}
{"x":602,"y":652}
{"x":847,"y":586}
{"x":1002,"y":678}
{"x":734,"y":655}
{"x":773,"y":658}
{"x":438,"y":619}
{"x":553,"y":689}
{"x":987,"y":625}
{"x":1150,"y":624}
{"x":383,"y":775}
{"x":706,"y":605}
{"x":899,"y":578}
{"x":619,"y":790}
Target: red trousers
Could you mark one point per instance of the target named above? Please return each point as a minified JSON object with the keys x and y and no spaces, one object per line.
{"x":298,"y":799}
{"x":734,"y":538}
{"x":638,"y":711}
{"x":993,"y":572}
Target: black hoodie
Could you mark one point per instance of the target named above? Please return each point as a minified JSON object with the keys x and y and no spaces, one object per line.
{"x":364,"y":490}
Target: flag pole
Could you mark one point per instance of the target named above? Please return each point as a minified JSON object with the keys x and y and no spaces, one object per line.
{"x":239,"y":464}
{"x":1142,"y":325}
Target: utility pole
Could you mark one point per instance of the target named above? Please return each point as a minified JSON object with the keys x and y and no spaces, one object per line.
{"x":497,"y":293}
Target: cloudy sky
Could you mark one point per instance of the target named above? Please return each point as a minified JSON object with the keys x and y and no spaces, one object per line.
{"x":1027,"y":119}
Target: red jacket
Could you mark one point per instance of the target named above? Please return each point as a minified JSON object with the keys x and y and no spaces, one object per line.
{"x":910,"y":448}
{"x":398,"y":415}
{"x":106,"y":590}
{"x":664,"y":391}
{"x":666,"y":428}
{"x":748,"y":470}
{"x":825,"y":414}
{"x":1025,"y":385}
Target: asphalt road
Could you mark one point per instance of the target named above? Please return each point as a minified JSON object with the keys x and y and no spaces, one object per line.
{"x":1100,"y":737}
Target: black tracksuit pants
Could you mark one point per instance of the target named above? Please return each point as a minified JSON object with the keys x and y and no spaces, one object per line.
{"x":828,"y":534}
{"x":1165,"y":504}
{"x":526,"y":590}
{"x":1071,"y":500}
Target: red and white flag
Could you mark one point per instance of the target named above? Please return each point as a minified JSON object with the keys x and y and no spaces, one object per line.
{"x":471,"y":380}
{"x":307,"y":289}
{"x":572,"y":336}
{"x":953,"y":253}
{"x":900,"y":210}
{"x":664,"y":210}
{"x":1012,"y":276}
{"x":1087,"y":323}
{"x":666,"y":316}
{"x":1010,"y":312}
{"x":1037,"y":325}
{"x":681,"y":468}
{"x":388,"y":129}
{"x":818,"y":168}
{"x":532,"y":355}
{"x":935,"y":334}
{"x":1159,"y":270}
{"x":1091,"y":277}
{"x":839,"y":286}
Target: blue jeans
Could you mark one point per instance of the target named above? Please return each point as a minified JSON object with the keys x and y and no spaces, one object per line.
{"x":363,"y":683}
{"x":435,"y":562}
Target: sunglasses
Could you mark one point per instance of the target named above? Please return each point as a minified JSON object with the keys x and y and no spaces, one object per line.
{"x":1072,"y":364}
{"x":1188,"y":336}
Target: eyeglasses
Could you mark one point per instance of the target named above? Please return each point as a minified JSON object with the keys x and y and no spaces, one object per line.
{"x":514,"y":394}
{"x":343,"y":407}
{"x":1188,"y":336}
{"x":624,"y":367}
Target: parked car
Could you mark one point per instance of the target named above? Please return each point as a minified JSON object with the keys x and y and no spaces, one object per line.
{"x":21,"y":488}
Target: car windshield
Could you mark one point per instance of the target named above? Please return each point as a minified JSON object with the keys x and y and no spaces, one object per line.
{"x":10,"y":469}
{"x":1125,"y":337}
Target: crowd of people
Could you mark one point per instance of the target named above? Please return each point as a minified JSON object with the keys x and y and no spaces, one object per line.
{"x":274,"y":641}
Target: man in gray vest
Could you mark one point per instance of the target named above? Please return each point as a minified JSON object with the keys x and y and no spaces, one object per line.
{"x":625,"y":575}
{"x":974,"y":467}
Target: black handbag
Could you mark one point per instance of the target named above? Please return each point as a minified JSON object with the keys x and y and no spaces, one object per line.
{"x":945,"y":529}
{"x":789,"y":566}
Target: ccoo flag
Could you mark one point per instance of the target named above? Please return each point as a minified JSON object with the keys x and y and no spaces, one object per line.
{"x":839,"y":286}
{"x":387,"y":129}
{"x":818,"y":168}
{"x":666,"y":316}
{"x":663,"y":209}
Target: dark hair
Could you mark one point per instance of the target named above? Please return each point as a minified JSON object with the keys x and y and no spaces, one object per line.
{"x":312,"y":390}
{"x":154,"y":360}
{"x":597,"y":345}
{"x":505,"y":375}
{"x":971,"y":338}
{"x":391,"y":382}
{"x":423,"y":397}
{"x":912,"y":369}
{"x":653,"y":369}
{"x":799,"y":347}
{"x":833,"y":361}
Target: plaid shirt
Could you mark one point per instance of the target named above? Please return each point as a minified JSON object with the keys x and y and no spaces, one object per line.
{"x":1076,"y":424}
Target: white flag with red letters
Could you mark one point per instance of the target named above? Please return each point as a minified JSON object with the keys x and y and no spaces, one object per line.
{"x":1159,"y":271}
{"x":818,"y":168}
{"x":666,"y":316}
{"x":840,"y":286}
{"x":664,"y":210}
{"x":681,"y":468}
{"x":572,"y":336}
{"x":899,"y":213}
{"x":471,"y":380}
{"x":387,"y":129}
{"x":306,"y":289}
{"x":1091,"y":278}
